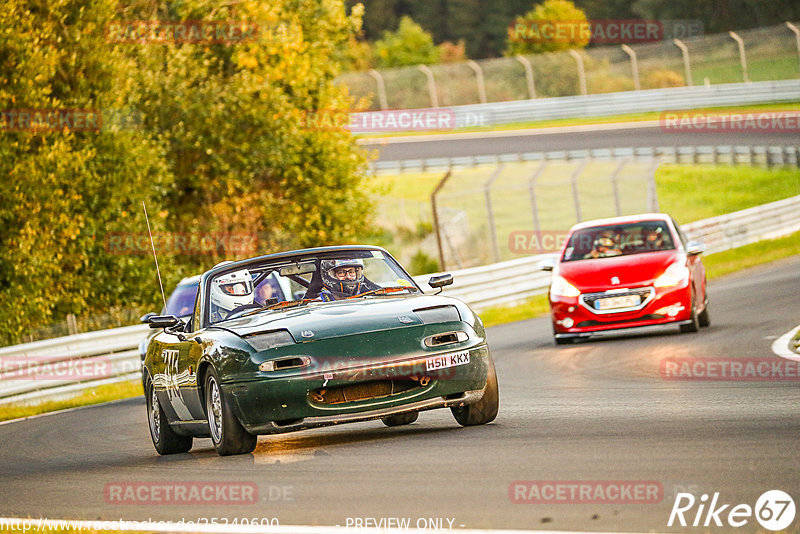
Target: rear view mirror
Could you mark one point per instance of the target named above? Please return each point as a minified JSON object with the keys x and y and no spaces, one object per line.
{"x":146,"y":317}
{"x":440,"y":280}
{"x":693,"y":248}
{"x":297,"y":269}
{"x":162,"y":321}
{"x":547,"y":264}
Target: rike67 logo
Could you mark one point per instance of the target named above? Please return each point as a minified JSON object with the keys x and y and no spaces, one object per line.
{"x":774,"y":510}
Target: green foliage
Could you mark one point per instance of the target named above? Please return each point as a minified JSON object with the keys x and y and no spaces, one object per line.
{"x":222,"y":147}
{"x":409,"y":45}
{"x":422,"y":263}
{"x":528,"y":34}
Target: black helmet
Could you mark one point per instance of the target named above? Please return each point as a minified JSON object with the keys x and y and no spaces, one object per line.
{"x":328,"y":270}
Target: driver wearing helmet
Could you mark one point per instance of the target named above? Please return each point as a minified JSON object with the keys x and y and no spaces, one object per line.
{"x":343,"y":278}
{"x":604,"y":246}
{"x":230,"y":291}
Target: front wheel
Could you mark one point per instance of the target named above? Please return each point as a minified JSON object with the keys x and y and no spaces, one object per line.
{"x":485,"y":410}
{"x":227,"y":433}
{"x":694,"y":325}
{"x":165,"y":440}
{"x":704,"y":319}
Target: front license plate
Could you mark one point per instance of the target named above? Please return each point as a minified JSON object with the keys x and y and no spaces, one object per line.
{"x":623,"y":301}
{"x":447,"y":360}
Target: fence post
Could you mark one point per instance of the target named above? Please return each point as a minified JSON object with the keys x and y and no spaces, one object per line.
{"x":614,"y":184}
{"x":487,"y":191}
{"x":581,"y":70}
{"x":687,"y":67}
{"x":479,"y":80}
{"x":796,"y":33}
{"x":72,"y":324}
{"x":532,"y":191}
{"x":381,"y":88}
{"x":529,"y":74}
{"x":634,"y":65}
{"x":431,"y":85}
{"x":742,"y":56}
{"x":436,"y":226}
{"x":652,"y":193}
{"x":575,"y":198}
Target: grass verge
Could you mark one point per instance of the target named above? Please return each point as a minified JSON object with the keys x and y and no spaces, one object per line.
{"x":717,"y":265}
{"x":108,"y":392}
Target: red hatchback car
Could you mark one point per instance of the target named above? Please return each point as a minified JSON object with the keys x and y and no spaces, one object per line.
{"x":625,"y":272}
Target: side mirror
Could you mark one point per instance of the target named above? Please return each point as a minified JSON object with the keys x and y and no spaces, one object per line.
{"x":162,"y":321}
{"x":547,"y":264}
{"x":146,"y":317}
{"x":440,"y":281}
{"x":693,"y":248}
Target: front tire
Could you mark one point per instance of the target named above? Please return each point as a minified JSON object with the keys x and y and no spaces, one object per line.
{"x":694,"y":325}
{"x":704,"y":319}
{"x":400,"y":419}
{"x":165,"y":440}
{"x":485,"y":410}
{"x":227,"y":433}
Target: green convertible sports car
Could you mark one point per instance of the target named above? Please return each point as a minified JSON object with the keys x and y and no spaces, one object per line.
{"x":311,"y":338}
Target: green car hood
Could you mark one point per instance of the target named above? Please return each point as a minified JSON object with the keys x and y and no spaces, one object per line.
{"x":324,"y":320}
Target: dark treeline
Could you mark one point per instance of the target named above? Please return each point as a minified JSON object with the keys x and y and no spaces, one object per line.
{"x":483,"y":24}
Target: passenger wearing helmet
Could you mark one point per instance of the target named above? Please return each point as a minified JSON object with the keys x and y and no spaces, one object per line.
{"x":229,"y":292}
{"x":603,"y":246}
{"x":343,"y":278}
{"x":653,"y":237}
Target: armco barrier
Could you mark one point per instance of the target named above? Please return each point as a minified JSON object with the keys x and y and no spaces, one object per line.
{"x":496,"y":284}
{"x":767,"y":156}
{"x":621,"y":103}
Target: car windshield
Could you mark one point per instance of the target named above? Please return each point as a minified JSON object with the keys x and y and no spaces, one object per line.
{"x":181,"y":301}
{"x":618,"y":240}
{"x":280,"y":283}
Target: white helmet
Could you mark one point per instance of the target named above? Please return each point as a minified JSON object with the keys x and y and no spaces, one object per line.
{"x":231,"y":290}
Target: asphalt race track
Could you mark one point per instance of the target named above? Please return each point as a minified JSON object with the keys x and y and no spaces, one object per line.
{"x":592,"y":411}
{"x":569,"y":138}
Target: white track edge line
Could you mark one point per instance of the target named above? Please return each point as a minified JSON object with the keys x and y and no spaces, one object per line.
{"x":781,"y":346}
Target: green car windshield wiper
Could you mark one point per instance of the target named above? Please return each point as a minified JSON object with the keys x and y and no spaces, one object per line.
{"x":384,"y":291}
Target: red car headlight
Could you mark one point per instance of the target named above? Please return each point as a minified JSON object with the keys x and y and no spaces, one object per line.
{"x":560,"y":287}
{"x":674,"y":275}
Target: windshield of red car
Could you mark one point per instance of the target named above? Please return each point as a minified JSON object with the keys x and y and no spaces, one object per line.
{"x":618,"y":240}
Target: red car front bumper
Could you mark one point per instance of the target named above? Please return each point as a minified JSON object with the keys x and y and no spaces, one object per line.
{"x":577,"y":316}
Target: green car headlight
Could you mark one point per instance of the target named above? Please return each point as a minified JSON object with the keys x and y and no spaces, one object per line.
{"x":269,"y":340}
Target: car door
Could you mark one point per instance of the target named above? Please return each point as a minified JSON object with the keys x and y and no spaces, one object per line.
{"x":170,"y":371}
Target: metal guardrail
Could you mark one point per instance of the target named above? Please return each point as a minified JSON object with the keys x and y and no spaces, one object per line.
{"x":114,"y":352}
{"x":648,"y":100}
{"x":767,"y":156}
